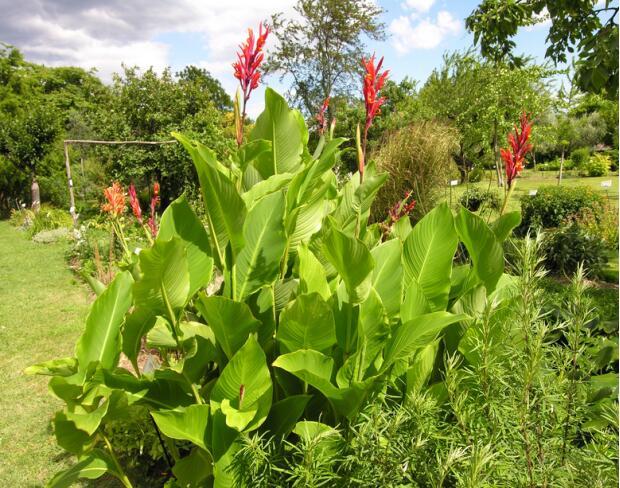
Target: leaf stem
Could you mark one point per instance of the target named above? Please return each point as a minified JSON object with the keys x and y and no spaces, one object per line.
{"x":120,"y":473}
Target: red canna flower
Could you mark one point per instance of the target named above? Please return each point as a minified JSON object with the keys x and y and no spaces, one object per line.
{"x":249,"y":58}
{"x":152,"y":223}
{"x":373,"y":83}
{"x":135,"y":203}
{"x":402,"y":208}
{"x":116,"y":200}
{"x":321,"y":117}
{"x":514,"y":156}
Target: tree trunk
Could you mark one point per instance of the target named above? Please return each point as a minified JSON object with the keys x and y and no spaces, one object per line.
{"x":35,"y":194}
{"x":561,"y":168}
{"x":498,"y":167}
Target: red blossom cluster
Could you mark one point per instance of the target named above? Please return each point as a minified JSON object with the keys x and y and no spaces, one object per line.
{"x":320,"y":117}
{"x":135,"y":204}
{"x":115,"y":197}
{"x":249,"y":58}
{"x":152,"y":223}
{"x":402,"y":208}
{"x":373,"y":83}
{"x":514,"y":156}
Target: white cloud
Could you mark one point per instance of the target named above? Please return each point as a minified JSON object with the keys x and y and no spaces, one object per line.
{"x":425,"y":34}
{"x":421,"y":6}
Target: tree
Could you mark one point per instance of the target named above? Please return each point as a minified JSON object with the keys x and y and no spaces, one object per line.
{"x":575,"y":25}
{"x":200,"y":83}
{"x":483,"y":100}
{"x":322,"y":47}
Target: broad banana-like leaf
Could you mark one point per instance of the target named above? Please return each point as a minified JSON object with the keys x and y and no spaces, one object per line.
{"x":326,"y":440}
{"x":258,"y":263}
{"x":421,"y":367}
{"x":231,"y":322}
{"x":54,"y":367}
{"x":270,"y":185}
{"x":316,"y":369}
{"x":420,"y":332}
{"x":69,"y":437}
{"x":285,"y":413}
{"x":352,"y":260}
{"x":164,"y":286}
{"x":428,"y":254}
{"x":414,"y":304}
{"x":505,"y":224}
{"x":137,"y":324}
{"x":311,"y":273}
{"x":484,"y":249}
{"x":244,"y":388}
{"x":307,"y":324}
{"x":279,"y":124}
{"x":224,"y":206}
{"x":387,"y":276}
{"x":185,"y":423}
{"x":194,"y":469}
{"x":91,"y":466}
{"x":100,"y":341}
{"x":179,"y":220}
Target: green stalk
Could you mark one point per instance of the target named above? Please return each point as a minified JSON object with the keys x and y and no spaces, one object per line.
{"x":121,"y":474}
{"x":507,"y":197}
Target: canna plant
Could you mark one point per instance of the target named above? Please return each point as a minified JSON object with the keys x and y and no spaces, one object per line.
{"x":285,"y":315}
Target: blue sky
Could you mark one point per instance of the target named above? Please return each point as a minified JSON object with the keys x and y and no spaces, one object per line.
{"x":102,"y":34}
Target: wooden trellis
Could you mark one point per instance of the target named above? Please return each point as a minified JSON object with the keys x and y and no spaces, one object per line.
{"x":68,"y":142}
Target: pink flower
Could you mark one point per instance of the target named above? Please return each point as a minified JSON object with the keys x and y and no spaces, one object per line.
{"x":249,"y":60}
{"x":135,"y":204}
{"x":116,"y":200}
{"x":152,"y":222}
{"x":321,"y":117}
{"x":514,"y":156}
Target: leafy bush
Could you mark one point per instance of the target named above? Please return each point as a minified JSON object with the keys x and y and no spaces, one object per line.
{"x":310,"y":315}
{"x":47,"y":218}
{"x":554,"y":165}
{"x":569,"y":246}
{"x":418,"y":158}
{"x":598,"y":165}
{"x":600,"y":221}
{"x":553,"y":204}
{"x":580,"y":157}
{"x":476,"y":175}
{"x":474,"y":198}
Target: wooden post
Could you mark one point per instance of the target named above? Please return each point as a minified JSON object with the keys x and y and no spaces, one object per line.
{"x":70,"y":184}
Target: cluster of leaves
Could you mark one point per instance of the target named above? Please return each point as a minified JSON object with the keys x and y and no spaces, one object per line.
{"x":529,"y":399}
{"x":310,"y":312}
{"x":474,"y":199}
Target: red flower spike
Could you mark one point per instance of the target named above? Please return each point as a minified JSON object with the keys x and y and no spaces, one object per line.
{"x":135,"y":204}
{"x":152,"y":223}
{"x":373,"y":83}
{"x":116,"y":200}
{"x":321,"y":117}
{"x":402,"y":208}
{"x":249,"y":59}
{"x":514,"y":156}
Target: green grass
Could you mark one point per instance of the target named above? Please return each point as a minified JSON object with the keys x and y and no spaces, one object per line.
{"x":42,"y":309}
{"x":532,"y":180}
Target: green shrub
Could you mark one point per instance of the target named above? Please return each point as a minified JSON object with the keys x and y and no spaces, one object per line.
{"x":47,"y":218}
{"x":418,"y":158}
{"x":476,"y":175}
{"x":580,"y":157}
{"x":597,"y":165}
{"x":568,"y":247}
{"x":475,"y":198}
{"x":554,"y":165}
{"x":553,"y":204}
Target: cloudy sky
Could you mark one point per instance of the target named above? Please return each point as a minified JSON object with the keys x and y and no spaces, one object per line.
{"x":102,"y":34}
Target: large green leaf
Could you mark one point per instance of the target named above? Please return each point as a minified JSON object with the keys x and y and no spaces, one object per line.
{"x":258,"y":263}
{"x":91,"y":466}
{"x":187,"y":424}
{"x":316,"y":369}
{"x":484,"y":249}
{"x":285,"y":413}
{"x":224,"y":206}
{"x":194,"y":469}
{"x":179,"y":220}
{"x":280,"y":125}
{"x":100,"y":341}
{"x":231,"y":322}
{"x":137,"y":324}
{"x":419,"y":332}
{"x":307,"y":324}
{"x":270,"y":185}
{"x":414,"y":304}
{"x":421,"y":367}
{"x":244,"y":389}
{"x":428,"y":253}
{"x":504,"y":225}
{"x":311,"y":273}
{"x":164,"y":286}
{"x":54,"y":367}
{"x":387,"y":276}
{"x":352,"y":260}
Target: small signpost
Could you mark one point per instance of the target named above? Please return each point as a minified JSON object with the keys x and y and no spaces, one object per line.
{"x":533,"y":193}
{"x":607,"y":184}
{"x":452,"y":183}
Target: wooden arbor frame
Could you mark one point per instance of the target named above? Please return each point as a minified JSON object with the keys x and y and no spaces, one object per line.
{"x":68,"y":142}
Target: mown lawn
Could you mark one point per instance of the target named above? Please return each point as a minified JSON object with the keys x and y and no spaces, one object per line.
{"x":532,"y":180}
{"x":42,"y":309}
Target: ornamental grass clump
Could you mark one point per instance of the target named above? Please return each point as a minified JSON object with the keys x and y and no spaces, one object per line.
{"x":285,"y":317}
